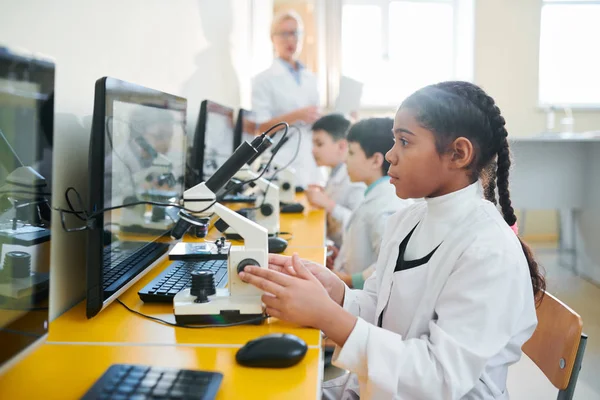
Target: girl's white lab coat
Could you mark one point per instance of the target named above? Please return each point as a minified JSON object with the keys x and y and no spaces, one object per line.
{"x":364,"y":231}
{"x":348,"y":196}
{"x":451,"y":327}
{"x":275,"y":92}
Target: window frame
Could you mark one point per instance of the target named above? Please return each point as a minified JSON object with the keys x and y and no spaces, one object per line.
{"x":332,"y":31}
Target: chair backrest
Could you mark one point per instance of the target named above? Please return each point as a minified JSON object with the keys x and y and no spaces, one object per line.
{"x":555,"y":342}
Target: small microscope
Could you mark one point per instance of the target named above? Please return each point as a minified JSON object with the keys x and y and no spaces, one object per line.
{"x":238,"y":302}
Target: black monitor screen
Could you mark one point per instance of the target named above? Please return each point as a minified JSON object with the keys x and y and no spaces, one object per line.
{"x":137,"y":151}
{"x":245,"y":127}
{"x":213,"y":141}
{"x":26,"y":133}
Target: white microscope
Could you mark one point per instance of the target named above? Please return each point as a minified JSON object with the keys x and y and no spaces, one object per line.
{"x":267,"y":204}
{"x":267,"y":200}
{"x":238,"y":302}
{"x":285,"y":179}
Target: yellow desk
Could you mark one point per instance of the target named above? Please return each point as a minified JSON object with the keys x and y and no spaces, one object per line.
{"x":67,"y":371}
{"x":79,"y":350}
{"x":307,"y":230}
{"x":115,"y":324}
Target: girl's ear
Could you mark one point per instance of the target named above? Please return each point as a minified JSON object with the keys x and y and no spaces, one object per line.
{"x":462,"y":153}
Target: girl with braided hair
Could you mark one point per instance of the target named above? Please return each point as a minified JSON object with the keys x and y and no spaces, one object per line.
{"x":453,"y":296}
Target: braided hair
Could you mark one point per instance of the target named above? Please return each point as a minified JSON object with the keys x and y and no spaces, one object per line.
{"x":461,"y":109}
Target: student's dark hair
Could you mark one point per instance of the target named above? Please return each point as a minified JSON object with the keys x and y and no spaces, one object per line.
{"x":336,"y":125}
{"x":374,"y":135}
{"x":461,"y":109}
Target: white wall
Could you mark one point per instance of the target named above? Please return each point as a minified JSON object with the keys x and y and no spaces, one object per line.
{"x":507,"y":34}
{"x":195,"y":48}
{"x":589,"y":218}
{"x":262,"y":47}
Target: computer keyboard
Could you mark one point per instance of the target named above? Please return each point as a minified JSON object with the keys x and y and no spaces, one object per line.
{"x":127,"y":381}
{"x":237,"y":198}
{"x":177,"y":277}
{"x":124,"y":260}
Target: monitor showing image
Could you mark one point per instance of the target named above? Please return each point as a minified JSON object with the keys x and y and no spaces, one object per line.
{"x":137,"y":150}
{"x":26,"y":147}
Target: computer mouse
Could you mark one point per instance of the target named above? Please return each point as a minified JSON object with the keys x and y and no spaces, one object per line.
{"x":278,"y":350}
{"x":291,"y":208}
{"x":277,"y":244}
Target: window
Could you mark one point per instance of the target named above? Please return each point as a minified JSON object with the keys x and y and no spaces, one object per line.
{"x":570,"y":53}
{"x":398,"y":46}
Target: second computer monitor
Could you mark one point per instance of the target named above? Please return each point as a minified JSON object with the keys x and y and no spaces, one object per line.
{"x":213,"y":141}
{"x":245,"y":127}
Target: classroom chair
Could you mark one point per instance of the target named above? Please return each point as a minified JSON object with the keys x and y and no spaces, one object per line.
{"x":557,"y":345}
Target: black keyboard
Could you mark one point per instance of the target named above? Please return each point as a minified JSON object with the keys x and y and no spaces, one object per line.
{"x":177,"y":277}
{"x":126,"y":381}
{"x":124,"y":260}
{"x":237,"y":198}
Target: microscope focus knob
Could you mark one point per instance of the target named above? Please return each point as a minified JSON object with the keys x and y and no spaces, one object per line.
{"x":266,"y":210}
{"x":18,"y":264}
{"x":245,"y":262}
{"x":203,"y":285}
{"x":286,"y":186}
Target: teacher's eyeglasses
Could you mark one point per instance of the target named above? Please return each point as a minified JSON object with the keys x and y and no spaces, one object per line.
{"x":289,"y":34}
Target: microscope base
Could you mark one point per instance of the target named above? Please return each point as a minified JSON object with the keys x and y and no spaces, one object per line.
{"x":219,"y":310}
{"x":224,"y":318}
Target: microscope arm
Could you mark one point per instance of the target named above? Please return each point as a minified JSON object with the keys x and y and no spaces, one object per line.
{"x":286,"y":180}
{"x":267,"y":206}
{"x":262,"y":183}
{"x":254,"y":235}
{"x":199,"y":199}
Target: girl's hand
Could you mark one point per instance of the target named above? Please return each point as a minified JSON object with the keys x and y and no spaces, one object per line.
{"x":300,"y":299}
{"x":332,"y":284}
{"x":346,"y":278}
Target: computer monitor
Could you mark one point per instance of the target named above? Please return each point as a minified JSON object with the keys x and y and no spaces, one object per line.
{"x":213,"y":141}
{"x":137,"y":150}
{"x":26,"y":136}
{"x":245,"y":127}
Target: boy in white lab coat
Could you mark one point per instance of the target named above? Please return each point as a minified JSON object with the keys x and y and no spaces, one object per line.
{"x":452,"y":299}
{"x":340,"y":196}
{"x":368,"y":142}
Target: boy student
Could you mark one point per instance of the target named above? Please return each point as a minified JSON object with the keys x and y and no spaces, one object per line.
{"x":368,"y":140}
{"x":340,"y":196}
